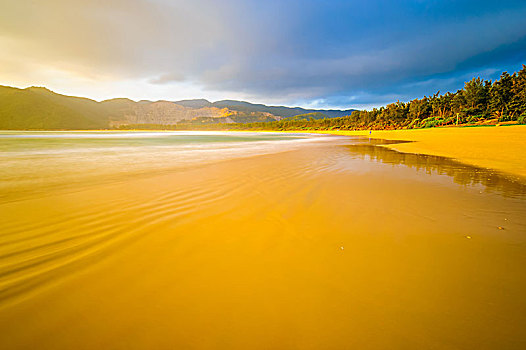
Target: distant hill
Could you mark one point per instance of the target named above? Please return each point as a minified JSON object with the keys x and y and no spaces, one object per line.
{"x":40,"y":108}
{"x":198,"y":103}
{"x":37,"y":108}
{"x":280,"y":111}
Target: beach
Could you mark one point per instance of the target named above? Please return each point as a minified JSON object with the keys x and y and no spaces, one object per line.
{"x":501,"y":148}
{"x":281,"y":242}
{"x":262,"y":175}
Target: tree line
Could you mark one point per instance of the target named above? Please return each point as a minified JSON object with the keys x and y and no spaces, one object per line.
{"x":479,"y":102}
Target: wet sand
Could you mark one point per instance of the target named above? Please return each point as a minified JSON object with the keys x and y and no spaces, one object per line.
{"x":331,"y":246}
{"x":502,"y":148}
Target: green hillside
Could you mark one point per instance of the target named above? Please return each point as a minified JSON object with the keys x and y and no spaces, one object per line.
{"x":39,"y":108}
{"x":308,"y":116}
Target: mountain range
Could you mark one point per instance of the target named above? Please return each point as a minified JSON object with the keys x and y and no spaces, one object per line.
{"x":37,"y":108}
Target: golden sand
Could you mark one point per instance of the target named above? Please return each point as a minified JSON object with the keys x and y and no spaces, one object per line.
{"x":326,"y":247}
{"x":502,"y":148}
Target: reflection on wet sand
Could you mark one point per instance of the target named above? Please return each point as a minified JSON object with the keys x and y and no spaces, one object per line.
{"x":462,"y":174}
{"x":317,"y":247}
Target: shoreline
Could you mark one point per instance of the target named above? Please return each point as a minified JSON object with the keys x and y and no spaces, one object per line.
{"x":499,"y":148}
{"x":227,"y":249}
{"x":327,"y":237}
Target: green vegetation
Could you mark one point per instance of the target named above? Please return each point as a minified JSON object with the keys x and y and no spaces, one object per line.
{"x":479,"y":102}
{"x":147,"y":127}
{"x":38,"y":108}
{"x":308,"y":116}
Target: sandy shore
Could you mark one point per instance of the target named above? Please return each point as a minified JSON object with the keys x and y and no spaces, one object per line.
{"x":500,"y":148}
{"x":330,"y":246}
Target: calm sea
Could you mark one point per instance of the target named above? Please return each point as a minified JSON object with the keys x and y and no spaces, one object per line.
{"x":34,"y":162}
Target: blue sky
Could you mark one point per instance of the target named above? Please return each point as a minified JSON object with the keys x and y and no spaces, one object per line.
{"x":342,"y":54}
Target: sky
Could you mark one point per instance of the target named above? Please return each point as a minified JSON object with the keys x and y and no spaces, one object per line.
{"x":309,"y":53}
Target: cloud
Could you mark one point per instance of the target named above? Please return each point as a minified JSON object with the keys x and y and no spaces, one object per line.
{"x":168,"y":78}
{"x":308,"y":52}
